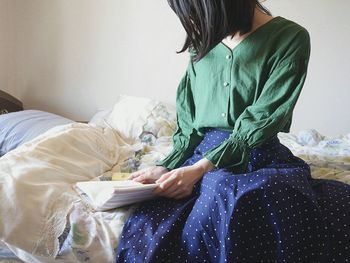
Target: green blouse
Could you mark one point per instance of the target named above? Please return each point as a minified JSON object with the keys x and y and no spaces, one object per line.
{"x":250,"y":90}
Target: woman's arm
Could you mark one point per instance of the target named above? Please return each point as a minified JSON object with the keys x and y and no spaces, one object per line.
{"x":270,"y":113}
{"x":179,"y":183}
{"x":258,"y":122}
{"x":204,"y":165}
{"x":185,"y":138}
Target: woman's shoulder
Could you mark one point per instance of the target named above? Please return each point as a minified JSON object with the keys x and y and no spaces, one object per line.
{"x":290,"y":32}
{"x":288,"y":22}
{"x":289,"y":40}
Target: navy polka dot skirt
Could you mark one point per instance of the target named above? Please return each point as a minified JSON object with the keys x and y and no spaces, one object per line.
{"x":273,"y":213}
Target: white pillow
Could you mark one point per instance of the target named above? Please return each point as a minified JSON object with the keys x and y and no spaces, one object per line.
{"x":100,"y":117}
{"x":130,"y":114}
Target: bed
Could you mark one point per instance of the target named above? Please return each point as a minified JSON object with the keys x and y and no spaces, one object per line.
{"x":19,"y":127}
{"x":59,"y":226}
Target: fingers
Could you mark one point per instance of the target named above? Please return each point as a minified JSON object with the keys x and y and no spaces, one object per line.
{"x":163,"y":182}
{"x":172,"y":185}
{"x":141,"y":178}
{"x":169,"y":191}
{"x":169,"y":178}
{"x":147,"y":175}
{"x":138,"y":176}
{"x":164,"y":177}
{"x":134,"y":175}
{"x":172,"y":179}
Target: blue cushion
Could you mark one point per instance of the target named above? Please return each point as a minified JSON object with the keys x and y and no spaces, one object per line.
{"x":19,"y":127}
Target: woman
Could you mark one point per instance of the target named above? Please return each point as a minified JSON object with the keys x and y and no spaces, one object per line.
{"x":229,"y":190}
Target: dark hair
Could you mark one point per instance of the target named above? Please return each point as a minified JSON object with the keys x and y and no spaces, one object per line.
{"x":207,"y":22}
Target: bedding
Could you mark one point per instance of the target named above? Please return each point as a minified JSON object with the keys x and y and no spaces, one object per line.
{"x":45,"y":169}
{"x":51,"y":163}
{"x":19,"y":127}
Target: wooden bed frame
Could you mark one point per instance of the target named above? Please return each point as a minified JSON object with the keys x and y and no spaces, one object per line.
{"x":9,"y":103}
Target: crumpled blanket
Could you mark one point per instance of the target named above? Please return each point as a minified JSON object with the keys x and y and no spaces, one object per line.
{"x":36,"y":181}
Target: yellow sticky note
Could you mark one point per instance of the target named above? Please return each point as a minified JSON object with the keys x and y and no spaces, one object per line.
{"x":120,"y":176}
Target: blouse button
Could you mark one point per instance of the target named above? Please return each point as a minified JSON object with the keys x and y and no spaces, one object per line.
{"x":228,"y":57}
{"x":223,"y":114}
{"x":226,"y":84}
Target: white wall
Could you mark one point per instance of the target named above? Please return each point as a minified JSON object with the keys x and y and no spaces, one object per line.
{"x":6,"y":50}
{"x":324,"y":102}
{"x":74,"y":57}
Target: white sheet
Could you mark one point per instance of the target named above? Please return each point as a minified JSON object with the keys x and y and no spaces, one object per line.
{"x":36,"y":179}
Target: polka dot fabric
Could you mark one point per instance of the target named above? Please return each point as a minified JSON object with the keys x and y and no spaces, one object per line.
{"x":273,"y":213}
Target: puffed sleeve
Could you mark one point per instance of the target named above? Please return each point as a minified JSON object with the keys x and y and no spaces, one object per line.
{"x":267,"y":115}
{"x":185,"y":138}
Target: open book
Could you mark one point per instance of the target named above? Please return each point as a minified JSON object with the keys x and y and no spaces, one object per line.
{"x":105,"y":195}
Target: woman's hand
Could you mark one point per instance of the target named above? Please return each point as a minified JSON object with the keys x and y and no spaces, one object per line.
{"x":148,"y":175}
{"x":179,"y":182}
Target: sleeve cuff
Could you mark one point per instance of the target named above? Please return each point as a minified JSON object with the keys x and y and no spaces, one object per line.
{"x":173,"y":160}
{"x":232,"y":154}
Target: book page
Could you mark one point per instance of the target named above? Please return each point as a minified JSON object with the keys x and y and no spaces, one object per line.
{"x":111,"y":194}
